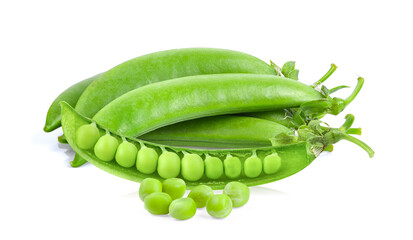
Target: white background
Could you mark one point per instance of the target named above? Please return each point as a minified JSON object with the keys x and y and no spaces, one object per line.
{"x":46,"y":46}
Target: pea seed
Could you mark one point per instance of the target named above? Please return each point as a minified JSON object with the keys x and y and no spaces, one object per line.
{"x":232,"y":166}
{"x":219,"y":206}
{"x":192,"y":167}
{"x":105,"y":148}
{"x":213,"y":167}
{"x":147,"y":160}
{"x":201,"y":195}
{"x":169,"y":165}
{"x":252,"y":167}
{"x":158,"y":203}
{"x":238,"y":192}
{"x":271,"y":163}
{"x":126,"y":154}
{"x":175,"y":187}
{"x":148,"y":186}
{"x":87,"y":136}
{"x":182,"y":208}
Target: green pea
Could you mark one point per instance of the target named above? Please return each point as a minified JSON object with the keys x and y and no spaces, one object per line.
{"x":213,"y":167}
{"x":271,"y":163}
{"x":201,"y":195}
{"x":105,"y":148}
{"x":147,"y":160}
{"x":158,"y":203}
{"x":182,"y":208}
{"x":232,"y":166}
{"x":252,"y":167}
{"x":238,"y":192}
{"x":148,"y":186}
{"x":126,"y":154}
{"x":192,"y":167}
{"x":87,"y":136}
{"x":175,"y":187}
{"x":219,"y":206}
{"x":169,"y":165}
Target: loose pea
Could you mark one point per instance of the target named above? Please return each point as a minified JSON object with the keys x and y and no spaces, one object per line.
{"x":105,"y":148}
{"x":201,"y":194}
{"x":87,"y":136}
{"x":192,"y":167}
{"x":271,"y":163}
{"x":148,"y":186}
{"x":219,"y":206}
{"x":232,"y":166}
{"x":175,"y":187}
{"x":147,"y":160}
{"x":238,"y":192}
{"x":182,"y":208}
{"x":169,"y":165}
{"x":252,"y":167}
{"x":126,"y":154}
{"x":213,"y":167}
{"x":158,"y":203}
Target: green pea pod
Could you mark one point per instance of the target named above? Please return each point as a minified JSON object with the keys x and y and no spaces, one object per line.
{"x":224,"y":131}
{"x":160,"y":66}
{"x":278,"y":162}
{"x":71,"y":96}
{"x":159,"y":104}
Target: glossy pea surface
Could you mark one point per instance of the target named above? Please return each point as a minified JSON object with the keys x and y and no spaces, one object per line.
{"x":232,"y":167}
{"x":252,"y":167}
{"x":158,"y":203}
{"x":149,"y":186}
{"x":175,"y":187}
{"x":213,"y":167}
{"x":238,"y":192}
{"x":87,"y":136}
{"x":219,"y":206}
{"x":147,"y":160}
{"x":182,"y":208}
{"x":105,"y":148}
{"x":271,"y":163}
{"x":126,"y":154}
{"x":169,"y":165}
{"x":192,"y":168}
{"x":201,"y":195}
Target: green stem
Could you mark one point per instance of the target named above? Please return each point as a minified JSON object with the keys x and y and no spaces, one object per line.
{"x":347,"y":124}
{"x":354,"y":131}
{"x":326,"y":76}
{"x":360,"y":82}
{"x":359,"y":143}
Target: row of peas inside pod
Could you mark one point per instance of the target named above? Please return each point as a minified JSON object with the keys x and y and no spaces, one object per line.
{"x":170,"y":164}
{"x":167,"y":197}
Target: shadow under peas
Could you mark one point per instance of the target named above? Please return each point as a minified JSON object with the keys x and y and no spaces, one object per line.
{"x":264,"y":190}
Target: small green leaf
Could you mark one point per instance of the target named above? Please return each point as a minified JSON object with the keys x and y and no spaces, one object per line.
{"x":293,"y":74}
{"x":276,"y":68}
{"x":325,"y":91}
{"x":333,"y":90}
{"x":287,"y":68}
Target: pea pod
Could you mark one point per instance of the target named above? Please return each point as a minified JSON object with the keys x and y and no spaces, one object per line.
{"x":255,"y":166}
{"x":159,"y":104}
{"x":224,"y":131}
{"x":164,"y":65}
{"x":71,"y":96}
{"x":294,"y":157}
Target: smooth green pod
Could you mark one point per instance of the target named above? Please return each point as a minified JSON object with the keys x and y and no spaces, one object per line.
{"x":165,"y":65}
{"x":71,"y":96}
{"x":153,"y":106}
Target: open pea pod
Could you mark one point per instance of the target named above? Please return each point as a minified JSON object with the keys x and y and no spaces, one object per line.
{"x":213,"y":167}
